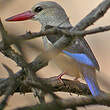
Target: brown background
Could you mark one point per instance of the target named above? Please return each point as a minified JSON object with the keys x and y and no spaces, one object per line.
{"x":76,"y":10}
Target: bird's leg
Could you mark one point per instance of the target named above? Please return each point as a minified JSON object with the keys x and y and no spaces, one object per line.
{"x":60,"y":75}
{"x":76,"y":79}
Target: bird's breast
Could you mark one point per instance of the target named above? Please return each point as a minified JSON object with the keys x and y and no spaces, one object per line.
{"x":67,"y":64}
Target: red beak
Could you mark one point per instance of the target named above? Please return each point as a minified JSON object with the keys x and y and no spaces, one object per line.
{"x":21,"y":17}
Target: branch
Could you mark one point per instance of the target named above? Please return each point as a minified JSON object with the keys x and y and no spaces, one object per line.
{"x":55,"y":30}
{"x":10,"y":90}
{"x":67,"y":86}
{"x":93,"y":16}
{"x":71,"y":103}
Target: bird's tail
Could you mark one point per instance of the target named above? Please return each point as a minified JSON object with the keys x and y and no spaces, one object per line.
{"x":90,"y":78}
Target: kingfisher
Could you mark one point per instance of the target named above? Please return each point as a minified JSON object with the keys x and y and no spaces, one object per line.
{"x":77,"y":59}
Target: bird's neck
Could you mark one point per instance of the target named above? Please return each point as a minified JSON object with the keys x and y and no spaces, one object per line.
{"x":50,"y":39}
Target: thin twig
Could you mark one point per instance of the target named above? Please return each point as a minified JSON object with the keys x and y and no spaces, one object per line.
{"x":10,"y":90}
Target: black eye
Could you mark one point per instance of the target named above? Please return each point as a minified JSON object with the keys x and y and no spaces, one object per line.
{"x":38,"y":9}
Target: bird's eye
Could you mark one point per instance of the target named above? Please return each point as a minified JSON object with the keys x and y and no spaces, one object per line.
{"x":38,"y":9}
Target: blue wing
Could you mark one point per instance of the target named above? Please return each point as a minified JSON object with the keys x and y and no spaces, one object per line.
{"x":80,"y":57}
{"x":80,"y":45}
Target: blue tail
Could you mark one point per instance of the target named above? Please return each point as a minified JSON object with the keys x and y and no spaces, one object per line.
{"x":90,"y":78}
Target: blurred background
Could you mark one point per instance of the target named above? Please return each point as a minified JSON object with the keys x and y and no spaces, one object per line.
{"x":76,"y":10}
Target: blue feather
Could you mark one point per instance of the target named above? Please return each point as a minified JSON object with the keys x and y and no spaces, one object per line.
{"x":90,"y":78}
{"x":80,"y":57}
{"x":92,"y":86}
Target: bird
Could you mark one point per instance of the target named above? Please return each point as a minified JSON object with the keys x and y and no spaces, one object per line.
{"x":77,"y":59}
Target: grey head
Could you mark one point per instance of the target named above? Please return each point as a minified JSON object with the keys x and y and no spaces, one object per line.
{"x":50,"y":13}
